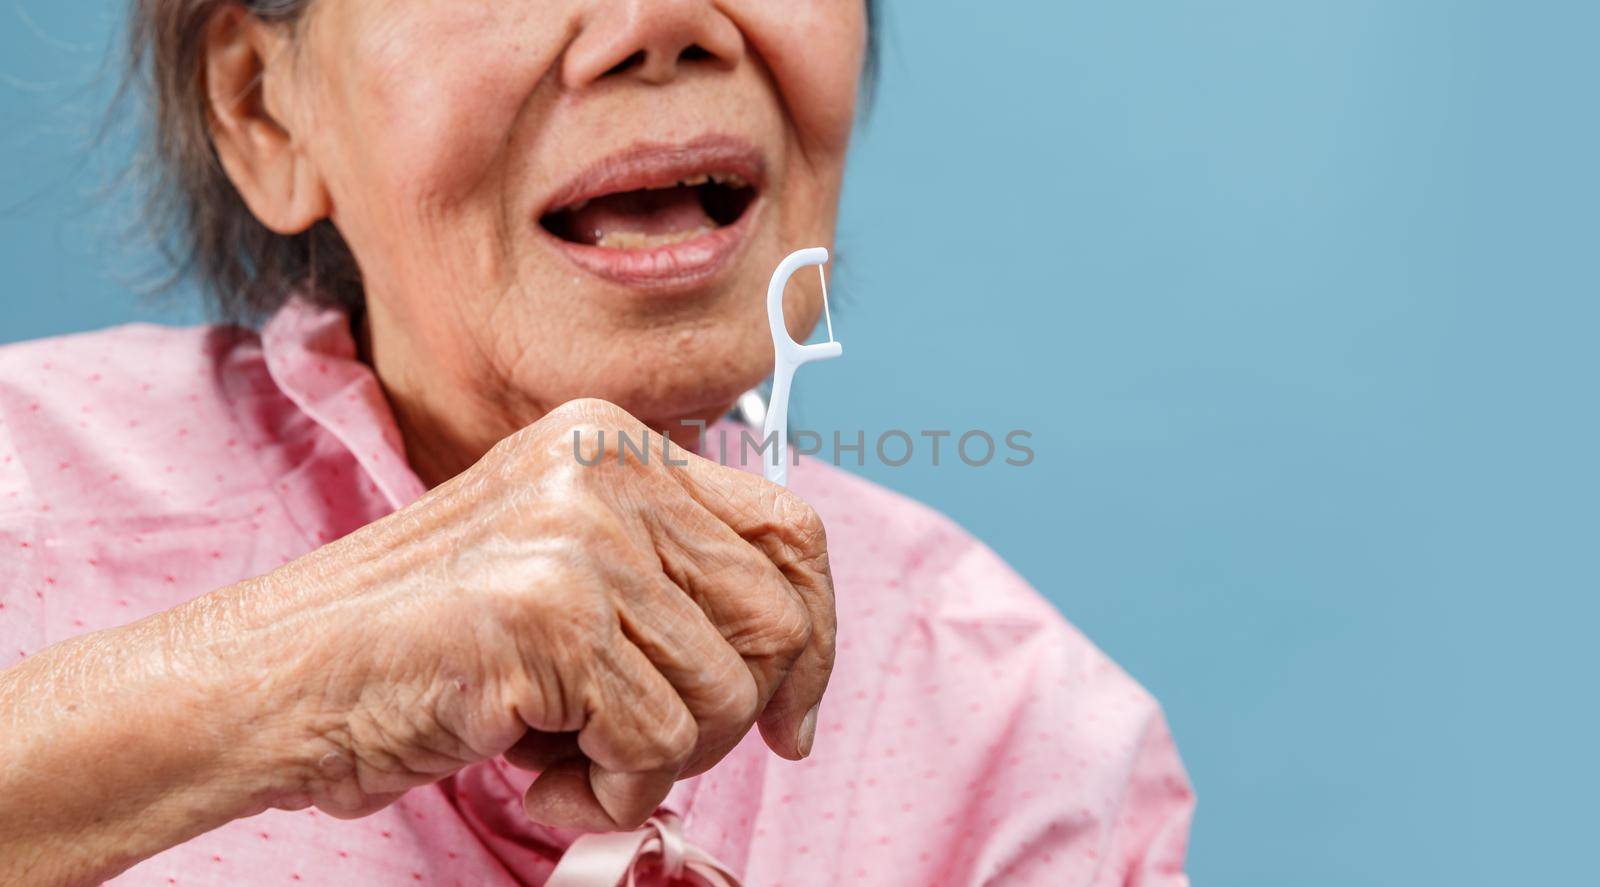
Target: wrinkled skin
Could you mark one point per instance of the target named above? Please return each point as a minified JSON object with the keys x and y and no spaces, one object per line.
{"x":616,"y":627}
{"x":434,"y":132}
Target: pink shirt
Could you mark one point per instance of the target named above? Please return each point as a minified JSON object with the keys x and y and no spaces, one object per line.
{"x":970,"y":735}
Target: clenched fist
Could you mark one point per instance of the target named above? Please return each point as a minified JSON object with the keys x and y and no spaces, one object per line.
{"x":617,"y":626}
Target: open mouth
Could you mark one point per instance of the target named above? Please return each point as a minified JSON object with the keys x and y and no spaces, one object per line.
{"x":656,"y":215}
{"x":659,"y":215}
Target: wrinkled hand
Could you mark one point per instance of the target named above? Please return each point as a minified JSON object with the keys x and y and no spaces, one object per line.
{"x":616,"y":626}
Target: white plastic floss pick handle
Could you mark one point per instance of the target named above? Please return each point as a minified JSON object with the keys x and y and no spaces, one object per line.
{"x":789,"y":355}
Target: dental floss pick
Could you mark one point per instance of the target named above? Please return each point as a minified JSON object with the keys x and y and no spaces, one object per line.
{"x":789,"y":355}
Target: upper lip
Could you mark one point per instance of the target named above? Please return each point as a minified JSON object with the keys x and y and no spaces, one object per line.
{"x":658,"y":165}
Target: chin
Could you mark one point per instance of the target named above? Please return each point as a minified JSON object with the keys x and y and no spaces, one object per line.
{"x":673,"y":386}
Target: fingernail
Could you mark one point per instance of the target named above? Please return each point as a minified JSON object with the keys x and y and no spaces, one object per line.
{"x":808,"y":732}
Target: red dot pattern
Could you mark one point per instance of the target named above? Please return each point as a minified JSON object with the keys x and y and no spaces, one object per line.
{"x":970,"y":735}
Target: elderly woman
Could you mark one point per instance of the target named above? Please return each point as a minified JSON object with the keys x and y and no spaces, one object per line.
{"x":334,"y":601}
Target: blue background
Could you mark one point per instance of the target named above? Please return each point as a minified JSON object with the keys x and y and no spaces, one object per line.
{"x":1300,"y":301}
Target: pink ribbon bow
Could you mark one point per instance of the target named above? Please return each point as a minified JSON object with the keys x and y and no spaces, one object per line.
{"x":609,"y":860}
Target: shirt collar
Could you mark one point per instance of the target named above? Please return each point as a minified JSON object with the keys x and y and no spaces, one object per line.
{"x":311,"y":355}
{"x":312,"y":358}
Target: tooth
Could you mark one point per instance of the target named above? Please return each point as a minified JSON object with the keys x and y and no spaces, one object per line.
{"x":626,"y":240}
{"x":695,"y":181}
{"x":728,"y":179}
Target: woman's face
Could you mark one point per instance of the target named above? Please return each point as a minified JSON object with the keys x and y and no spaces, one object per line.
{"x":551,"y":199}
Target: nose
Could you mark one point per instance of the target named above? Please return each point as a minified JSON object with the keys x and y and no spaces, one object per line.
{"x":650,"y":40}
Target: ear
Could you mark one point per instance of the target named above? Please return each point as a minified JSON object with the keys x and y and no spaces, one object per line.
{"x":254,"y":103}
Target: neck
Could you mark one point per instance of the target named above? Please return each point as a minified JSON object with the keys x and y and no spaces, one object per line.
{"x":439,"y":445}
{"x":446,"y":431}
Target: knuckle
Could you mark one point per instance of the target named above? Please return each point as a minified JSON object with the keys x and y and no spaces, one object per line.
{"x":800,"y":517}
{"x":671,"y":741}
{"x":799,"y":529}
{"x":588,"y":410}
{"x":736,"y":700}
{"x":789,"y":627}
{"x":598,"y":437}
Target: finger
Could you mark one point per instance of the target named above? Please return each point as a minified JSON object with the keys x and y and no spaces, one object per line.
{"x":800,"y":551}
{"x":714,"y":681}
{"x":743,"y":595}
{"x":718,"y":578}
{"x":637,"y":737}
{"x":563,"y":796}
{"x":789,"y":721}
{"x":789,"y":535}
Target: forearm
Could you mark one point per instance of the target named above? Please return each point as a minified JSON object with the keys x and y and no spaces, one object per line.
{"x":119,"y":744}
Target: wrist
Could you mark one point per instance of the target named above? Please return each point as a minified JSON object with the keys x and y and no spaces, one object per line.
{"x":239,"y":678}
{"x":285,"y":664}
{"x":206,"y":723}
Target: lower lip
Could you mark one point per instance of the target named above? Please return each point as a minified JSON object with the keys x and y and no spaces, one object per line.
{"x":664,"y":269}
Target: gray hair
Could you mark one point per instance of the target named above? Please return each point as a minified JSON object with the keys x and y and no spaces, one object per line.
{"x":195,"y":216}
